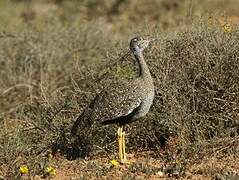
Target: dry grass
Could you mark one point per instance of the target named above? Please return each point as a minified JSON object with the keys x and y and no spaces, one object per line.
{"x":50,"y":70}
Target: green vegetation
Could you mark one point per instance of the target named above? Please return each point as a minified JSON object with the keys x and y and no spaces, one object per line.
{"x":56,"y":55}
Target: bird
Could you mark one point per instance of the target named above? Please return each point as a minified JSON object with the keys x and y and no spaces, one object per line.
{"x":123,"y":102}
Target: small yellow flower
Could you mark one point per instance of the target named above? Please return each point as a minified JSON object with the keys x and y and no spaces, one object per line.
{"x":227,"y":28}
{"x":50,"y":171}
{"x":178,"y":161}
{"x":50,"y":156}
{"x":210,"y":21}
{"x":114,"y":162}
{"x":161,"y":173}
{"x":23,"y":169}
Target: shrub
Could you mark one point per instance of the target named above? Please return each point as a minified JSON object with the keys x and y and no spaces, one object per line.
{"x":51,"y":72}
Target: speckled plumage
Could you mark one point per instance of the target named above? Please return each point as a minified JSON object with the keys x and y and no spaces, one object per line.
{"x":123,"y":102}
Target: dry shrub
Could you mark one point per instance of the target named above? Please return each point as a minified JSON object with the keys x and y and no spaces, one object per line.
{"x":50,"y":72}
{"x":41,"y":65}
{"x":197,"y":74}
{"x":196,"y":79}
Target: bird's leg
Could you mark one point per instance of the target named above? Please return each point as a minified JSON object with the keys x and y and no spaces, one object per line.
{"x":123,"y":146}
{"x":120,"y":143}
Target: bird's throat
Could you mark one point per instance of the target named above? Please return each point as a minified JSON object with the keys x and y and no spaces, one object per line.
{"x":143,"y":68}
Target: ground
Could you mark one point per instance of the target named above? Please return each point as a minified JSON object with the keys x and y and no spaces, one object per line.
{"x":144,"y":165}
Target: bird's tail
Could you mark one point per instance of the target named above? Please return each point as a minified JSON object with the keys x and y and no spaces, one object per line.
{"x":82,"y":122}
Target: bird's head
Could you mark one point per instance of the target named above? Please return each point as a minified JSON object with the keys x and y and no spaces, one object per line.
{"x":139,"y":44}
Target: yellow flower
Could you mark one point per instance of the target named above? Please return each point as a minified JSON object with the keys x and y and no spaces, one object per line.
{"x":227,"y":28}
{"x":178,"y":161}
{"x":114,"y":162}
{"x":210,"y":20}
{"x":50,"y":171}
{"x":23,"y":170}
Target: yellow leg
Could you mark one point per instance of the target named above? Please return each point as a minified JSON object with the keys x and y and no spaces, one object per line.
{"x":123,"y":147}
{"x":120,"y":143}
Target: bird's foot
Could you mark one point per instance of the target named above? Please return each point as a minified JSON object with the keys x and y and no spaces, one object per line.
{"x":126,"y":161}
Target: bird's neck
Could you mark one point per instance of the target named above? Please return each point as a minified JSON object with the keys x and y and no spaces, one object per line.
{"x":143,"y":68}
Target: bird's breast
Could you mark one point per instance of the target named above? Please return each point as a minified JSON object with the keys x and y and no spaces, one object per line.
{"x":146,"y":103}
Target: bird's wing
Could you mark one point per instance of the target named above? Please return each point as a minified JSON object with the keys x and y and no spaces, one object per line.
{"x":116,"y":101}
